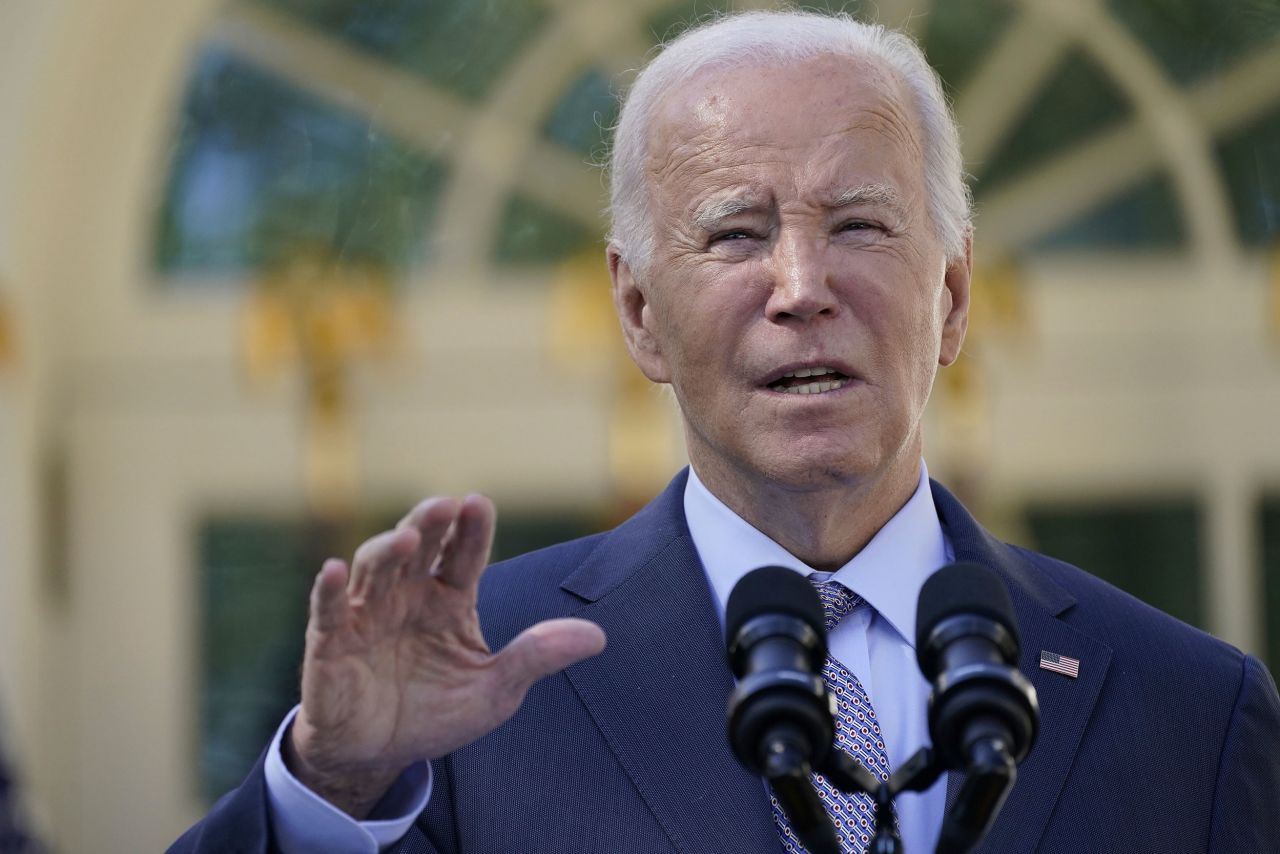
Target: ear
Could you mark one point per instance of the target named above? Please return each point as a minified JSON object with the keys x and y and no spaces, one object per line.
{"x":955,"y":295}
{"x":631,"y":301}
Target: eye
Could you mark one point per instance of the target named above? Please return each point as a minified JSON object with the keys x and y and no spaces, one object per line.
{"x":858,"y":225}
{"x":735,"y":234}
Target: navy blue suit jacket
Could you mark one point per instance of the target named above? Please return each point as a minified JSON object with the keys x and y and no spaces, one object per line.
{"x":1169,"y":740}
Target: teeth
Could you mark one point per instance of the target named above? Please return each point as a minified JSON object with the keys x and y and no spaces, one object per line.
{"x":809,"y":372}
{"x":815,"y":388}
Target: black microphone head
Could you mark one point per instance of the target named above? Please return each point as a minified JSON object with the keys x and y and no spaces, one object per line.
{"x":967,"y":646}
{"x":773,"y":590}
{"x":962,"y":588}
{"x":780,"y":712}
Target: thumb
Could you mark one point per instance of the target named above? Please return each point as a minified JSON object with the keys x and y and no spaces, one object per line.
{"x":546,"y":648}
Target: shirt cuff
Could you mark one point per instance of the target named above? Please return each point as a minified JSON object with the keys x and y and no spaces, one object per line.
{"x":305,"y":823}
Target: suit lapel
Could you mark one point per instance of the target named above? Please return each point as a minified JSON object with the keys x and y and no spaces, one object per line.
{"x":659,"y":691}
{"x":1066,"y":704}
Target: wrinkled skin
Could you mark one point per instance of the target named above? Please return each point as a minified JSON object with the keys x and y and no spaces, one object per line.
{"x":396,"y":669}
{"x":792,"y":229}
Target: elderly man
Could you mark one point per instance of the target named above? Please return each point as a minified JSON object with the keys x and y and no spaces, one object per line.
{"x":791,"y":253}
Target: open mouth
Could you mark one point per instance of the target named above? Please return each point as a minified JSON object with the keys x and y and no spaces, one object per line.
{"x":809,"y":381}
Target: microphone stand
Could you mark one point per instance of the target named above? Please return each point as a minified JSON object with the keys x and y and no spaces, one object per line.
{"x":989,"y":778}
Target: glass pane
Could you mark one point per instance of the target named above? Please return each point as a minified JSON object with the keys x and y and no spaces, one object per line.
{"x":1150,"y":549}
{"x":673,"y":20}
{"x":261,"y":172}
{"x":1146,"y":215}
{"x":255,"y":579}
{"x":1078,"y":101}
{"x":1193,"y":38}
{"x":958,"y":34}
{"x":1250,"y":163}
{"x":464,"y":46}
{"x":583,"y":118}
{"x":533,"y":234}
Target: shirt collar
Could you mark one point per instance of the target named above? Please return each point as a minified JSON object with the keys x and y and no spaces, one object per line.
{"x":888,"y":572}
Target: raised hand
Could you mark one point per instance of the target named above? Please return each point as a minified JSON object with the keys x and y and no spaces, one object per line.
{"x":396,"y":669}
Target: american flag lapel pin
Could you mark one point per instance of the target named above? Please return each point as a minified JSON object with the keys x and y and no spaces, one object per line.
{"x":1063,"y":664}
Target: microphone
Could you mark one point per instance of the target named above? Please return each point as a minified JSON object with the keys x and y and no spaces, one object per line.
{"x":780,"y":714}
{"x":983,"y":713}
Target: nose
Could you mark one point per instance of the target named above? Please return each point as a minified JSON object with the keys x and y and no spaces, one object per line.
{"x":801,"y":287}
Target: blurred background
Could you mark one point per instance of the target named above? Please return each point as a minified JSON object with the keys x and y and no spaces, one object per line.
{"x":270,"y":270}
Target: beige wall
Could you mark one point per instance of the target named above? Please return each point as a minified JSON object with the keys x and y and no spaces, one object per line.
{"x":1129,"y":374}
{"x":86,"y":90}
{"x":141,"y":397}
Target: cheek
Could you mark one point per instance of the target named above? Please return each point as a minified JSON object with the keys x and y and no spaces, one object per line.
{"x":702,"y":304}
{"x":672,"y":333}
{"x":682,"y":338}
{"x":924,"y":352}
{"x":906,"y":328}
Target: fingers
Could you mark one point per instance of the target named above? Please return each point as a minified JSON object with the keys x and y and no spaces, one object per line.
{"x":466,"y":550}
{"x":329,"y":597}
{"x":448,"y":538}
{"x":373,"y":568}
{"x":431,"y":519}
{"x":547,"y":648}
{"x":437,"y":510}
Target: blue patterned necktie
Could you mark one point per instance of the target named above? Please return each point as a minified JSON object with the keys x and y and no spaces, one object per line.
{"x":857,"y":733}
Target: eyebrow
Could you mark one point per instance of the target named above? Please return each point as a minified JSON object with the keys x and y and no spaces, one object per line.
{"x":711,"y":215}
{"x":870,"y":194}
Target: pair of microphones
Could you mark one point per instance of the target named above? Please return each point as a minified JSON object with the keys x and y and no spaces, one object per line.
{"x":983,"y":713}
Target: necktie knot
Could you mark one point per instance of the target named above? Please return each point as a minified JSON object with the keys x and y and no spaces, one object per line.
{"x":838,"y":601}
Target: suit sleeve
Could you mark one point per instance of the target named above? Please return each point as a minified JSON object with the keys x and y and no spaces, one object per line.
{"x":237,"y":824}
{"x":240,"y":823}
{"x":1246,"y":807}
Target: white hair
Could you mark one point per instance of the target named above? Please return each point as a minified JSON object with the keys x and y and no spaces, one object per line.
{"x":761,"y":38}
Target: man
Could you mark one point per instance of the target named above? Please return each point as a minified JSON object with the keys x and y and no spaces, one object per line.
{"x":791,"y":253}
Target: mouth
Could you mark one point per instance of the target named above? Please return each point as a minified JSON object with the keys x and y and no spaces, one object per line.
{"x":815,"y":380}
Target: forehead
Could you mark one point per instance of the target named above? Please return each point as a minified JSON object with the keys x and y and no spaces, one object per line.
{"x":807,"y":125}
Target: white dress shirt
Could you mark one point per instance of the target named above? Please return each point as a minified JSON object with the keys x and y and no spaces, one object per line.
{"x":305,"y":823}
{"x":876,"y":644}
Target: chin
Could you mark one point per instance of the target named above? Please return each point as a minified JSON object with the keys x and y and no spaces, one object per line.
{"x":818,"y":471}
{"x":843,"y":460}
